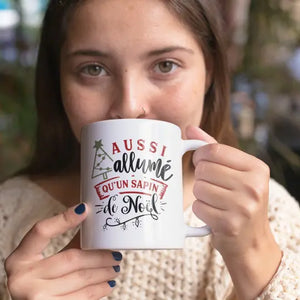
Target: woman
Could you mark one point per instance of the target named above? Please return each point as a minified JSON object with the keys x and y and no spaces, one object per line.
{"x":144,"y":59}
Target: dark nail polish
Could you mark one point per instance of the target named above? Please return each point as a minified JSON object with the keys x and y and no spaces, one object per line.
{"x":117,"y":269}
{"x":80,"y":209}
{"x":117,"y":256}
{"x":112,"y":283}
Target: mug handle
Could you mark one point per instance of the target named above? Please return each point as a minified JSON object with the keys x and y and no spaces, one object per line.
{"x":189,"y":145}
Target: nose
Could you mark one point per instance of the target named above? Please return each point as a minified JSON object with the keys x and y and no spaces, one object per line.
{"x":129,"y":99}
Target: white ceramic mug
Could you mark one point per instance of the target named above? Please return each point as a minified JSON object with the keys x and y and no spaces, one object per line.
{"x":131,"y":180}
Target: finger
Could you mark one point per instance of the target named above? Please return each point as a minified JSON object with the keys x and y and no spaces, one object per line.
{"x":72,"y":260}
{"x":92,"y":292}
{"x":212,"y":195}
{"x":228,"y":223}
{"x":227,"y":156}
{"x":218,"y":175}
{"x":193,"y":132}
{"x":80,"y":279}
{"x":36,"y":240}
{"x":214,"y":218}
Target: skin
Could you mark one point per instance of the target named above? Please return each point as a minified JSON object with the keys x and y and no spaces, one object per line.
{"x":143,"y":58}
{"x":134,"y":59}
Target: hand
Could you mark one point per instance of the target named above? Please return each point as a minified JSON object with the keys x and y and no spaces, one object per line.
{"x":232,"y":188}
{"x":70,"y":274}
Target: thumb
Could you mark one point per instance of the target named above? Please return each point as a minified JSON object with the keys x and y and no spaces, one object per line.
{"x":194,"y":132}
{"x":36,"y":240}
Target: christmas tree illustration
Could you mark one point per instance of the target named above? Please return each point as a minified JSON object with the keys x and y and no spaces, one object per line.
{"x":101,"y":161}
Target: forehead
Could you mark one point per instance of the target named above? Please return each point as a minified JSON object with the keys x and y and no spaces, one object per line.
{"x":110,"y":10}
{"x":130,"y":20}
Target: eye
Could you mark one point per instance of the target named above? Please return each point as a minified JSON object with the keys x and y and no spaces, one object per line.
{"x":94,"y":70}
{"x":166,"y":66}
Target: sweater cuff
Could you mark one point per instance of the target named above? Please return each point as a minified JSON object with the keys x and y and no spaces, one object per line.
{"x":286,"y":282}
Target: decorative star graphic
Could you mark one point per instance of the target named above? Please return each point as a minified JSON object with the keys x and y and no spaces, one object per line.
{"x":98,"y":144}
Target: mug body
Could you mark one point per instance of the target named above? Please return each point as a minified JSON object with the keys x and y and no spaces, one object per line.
{"x":131,"y":181}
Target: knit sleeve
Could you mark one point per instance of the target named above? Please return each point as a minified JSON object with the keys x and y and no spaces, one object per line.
{"x":21,"y":205}
{"x":8,"y":209}
{"x":284,"y":217}
{"x":4,"y":295}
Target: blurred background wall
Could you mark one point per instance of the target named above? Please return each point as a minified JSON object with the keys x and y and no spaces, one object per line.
{"x":263,"y":40}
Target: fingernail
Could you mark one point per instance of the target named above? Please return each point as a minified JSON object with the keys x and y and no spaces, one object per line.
{"x":117,"y":269}
{"x":112,"y":283}
{"x":80,"y":209}
{"x":117,"y":256}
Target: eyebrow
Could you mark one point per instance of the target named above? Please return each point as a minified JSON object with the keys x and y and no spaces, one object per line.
{"x":156,"y":52}
{"x":87,"y":52}
{"x":168,"y":50}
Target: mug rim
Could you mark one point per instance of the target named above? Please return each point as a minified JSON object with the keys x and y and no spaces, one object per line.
{"x":133,"y":120}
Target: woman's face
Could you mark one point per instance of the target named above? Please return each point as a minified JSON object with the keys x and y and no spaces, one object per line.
{"x":131,"y":59}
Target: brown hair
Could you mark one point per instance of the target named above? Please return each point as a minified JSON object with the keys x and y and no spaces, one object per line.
{"x":56,"y":148}
{"x":204,"y":19}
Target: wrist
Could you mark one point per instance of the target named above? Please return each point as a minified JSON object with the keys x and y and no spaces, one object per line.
{"x":254,"y":269}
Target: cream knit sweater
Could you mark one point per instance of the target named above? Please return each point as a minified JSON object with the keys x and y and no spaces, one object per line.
{"x":196,"y":272}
